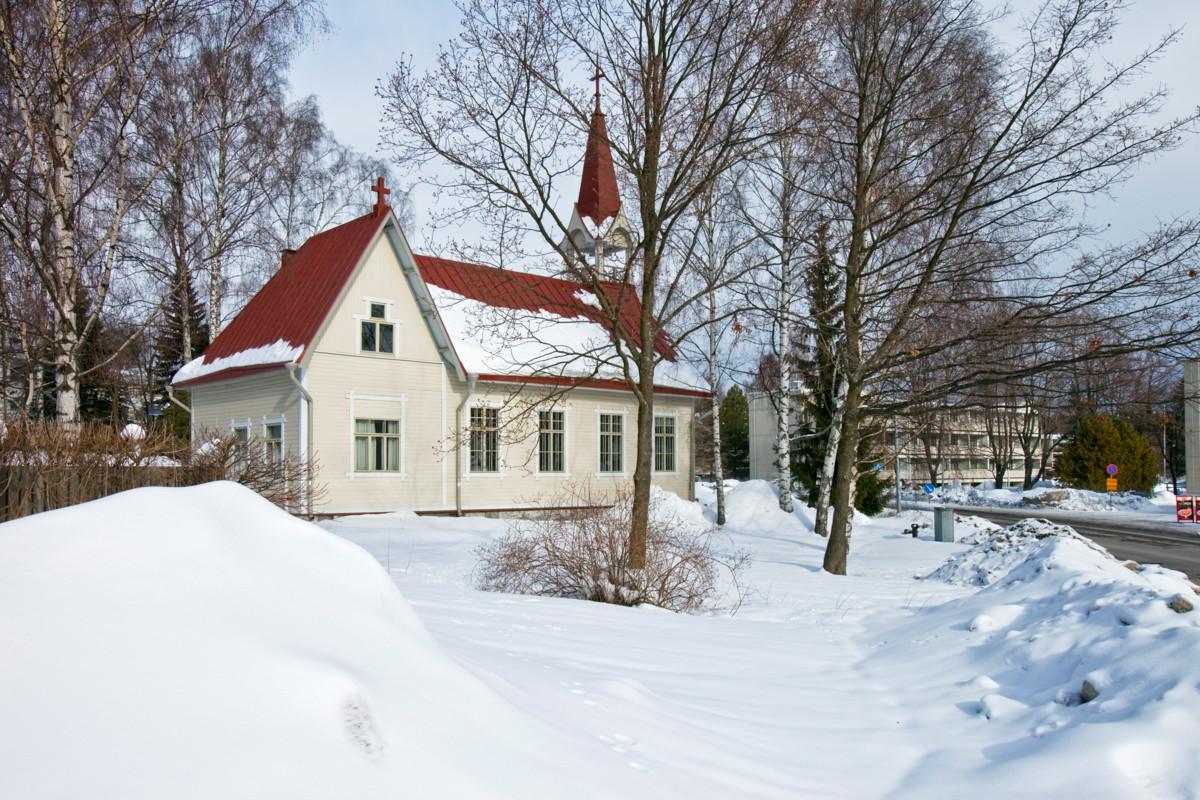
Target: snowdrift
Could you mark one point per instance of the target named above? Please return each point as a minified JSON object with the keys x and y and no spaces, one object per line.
{"x":1048,"y":495}
{"x":201,"y":643}
{"x":1062,"y":643}
{"x":755,"y":505}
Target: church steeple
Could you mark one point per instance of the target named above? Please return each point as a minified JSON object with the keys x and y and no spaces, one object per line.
{"x":606,"y":230}
{"x":598,"y":196}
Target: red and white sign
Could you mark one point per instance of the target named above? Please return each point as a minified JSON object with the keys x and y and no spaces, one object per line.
{"x":1185,"y":508}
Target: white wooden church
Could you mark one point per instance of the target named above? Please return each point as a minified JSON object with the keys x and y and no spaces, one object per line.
{"x":413,"y":381}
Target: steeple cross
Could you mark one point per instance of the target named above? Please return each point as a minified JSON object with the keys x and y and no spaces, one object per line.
{"x":380,"y":191}
{"x":599,"y":74}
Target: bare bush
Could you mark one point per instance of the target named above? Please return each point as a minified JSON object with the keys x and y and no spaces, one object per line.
{"x":44,"y":466}
{"x":285,"y":480}
{"x":583,"y":552}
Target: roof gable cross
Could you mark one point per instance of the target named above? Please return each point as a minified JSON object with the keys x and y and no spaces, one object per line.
{"x":380,"y":191}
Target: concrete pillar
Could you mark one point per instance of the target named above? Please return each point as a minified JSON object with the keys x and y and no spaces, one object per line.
{"x":1191,"y":424}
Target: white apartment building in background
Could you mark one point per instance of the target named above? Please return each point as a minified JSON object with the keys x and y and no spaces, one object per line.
{"x":956,"y":442}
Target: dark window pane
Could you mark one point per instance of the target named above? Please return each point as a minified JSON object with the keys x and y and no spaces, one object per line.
{"x":385,"y":338}
{"x":368,"y":337}
{"x":377,"y":310}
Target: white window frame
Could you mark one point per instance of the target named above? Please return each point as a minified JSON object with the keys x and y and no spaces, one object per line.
{"x":281,"y":421}
{"x":498,"y":472}
{"x":247,"y":425}
{"x":624,"y":414}
{"x":401,"y":402}
{"x":565,"y":472}
{"x":370,"y":435}
{"x":674,"y":416}
{"x":387,"y":319}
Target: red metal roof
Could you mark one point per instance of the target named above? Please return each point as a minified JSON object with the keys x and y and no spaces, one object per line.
{"x":292,"y":305}
{"x":525,"y":291}
{"x":598,"y":196}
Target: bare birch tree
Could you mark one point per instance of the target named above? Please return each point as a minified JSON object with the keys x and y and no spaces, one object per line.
{"x":954,"y":170}
{"x":79,"y":77}
{"x":687,"y":87}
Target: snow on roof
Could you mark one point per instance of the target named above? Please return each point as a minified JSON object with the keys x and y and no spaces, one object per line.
{"x":277,"y":353}
{"x":497,"y":341}
{"x":509,"y":323}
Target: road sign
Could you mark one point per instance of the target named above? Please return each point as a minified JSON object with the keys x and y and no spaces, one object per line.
{"x":1111,"y":484}
{"x":929,"y":488}
{"x":1111,"y":469}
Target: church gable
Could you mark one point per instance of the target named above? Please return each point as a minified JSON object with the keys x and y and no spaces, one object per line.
{"x":312,"y":296}
{"x":379,"y":315}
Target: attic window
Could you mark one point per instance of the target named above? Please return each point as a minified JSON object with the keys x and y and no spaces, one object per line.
{"x":375,"y":335}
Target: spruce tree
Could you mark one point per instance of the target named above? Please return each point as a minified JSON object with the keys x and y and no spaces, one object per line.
{"x":1098,"y":441}
{"x":818,"y":371}
{"x":182,"y":335}
{"x":817,"y":368}
{"x":735,"y":433}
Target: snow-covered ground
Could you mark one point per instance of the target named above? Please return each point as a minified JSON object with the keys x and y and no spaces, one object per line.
{"x":198,"y":643}
{"x":1049,"y":495}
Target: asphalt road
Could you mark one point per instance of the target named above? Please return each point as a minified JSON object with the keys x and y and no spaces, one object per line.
{"x":1173,"y":545}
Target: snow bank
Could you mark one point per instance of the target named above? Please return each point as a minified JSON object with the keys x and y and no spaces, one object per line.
{"x":280,"y":352}
{"x":1089,"y":667}
{"x":997,"y":551}
{"x":201,"y":643}
{"x":670,"y":506}
{"x":755,"y":505}
{"x":1048,"y":495}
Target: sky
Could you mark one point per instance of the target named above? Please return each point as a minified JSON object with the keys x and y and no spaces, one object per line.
{"x":368,"y":38}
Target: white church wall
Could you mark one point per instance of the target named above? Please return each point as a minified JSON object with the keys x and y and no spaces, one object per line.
{"x":253,"y":401}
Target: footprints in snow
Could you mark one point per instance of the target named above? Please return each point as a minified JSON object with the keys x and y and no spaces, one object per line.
{"x":619,"y":743}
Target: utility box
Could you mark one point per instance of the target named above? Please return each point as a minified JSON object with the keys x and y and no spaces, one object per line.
{"x":943,"y":524}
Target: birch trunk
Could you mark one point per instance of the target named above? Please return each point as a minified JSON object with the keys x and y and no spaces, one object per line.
{"x":718,"y":469}
{"x":62,"y":229}
{"x":217,"y":241}
{"x":783,"y":465}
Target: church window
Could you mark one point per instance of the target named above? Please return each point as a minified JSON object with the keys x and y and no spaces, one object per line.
{"x":273,"y":441}
{"x":376,"y":445}
{"x":611,"y":448}
{"x":485,"y":440}
{"x":664,"y":444}
{"x":551,"y":441}
{"x":375,"y":334}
